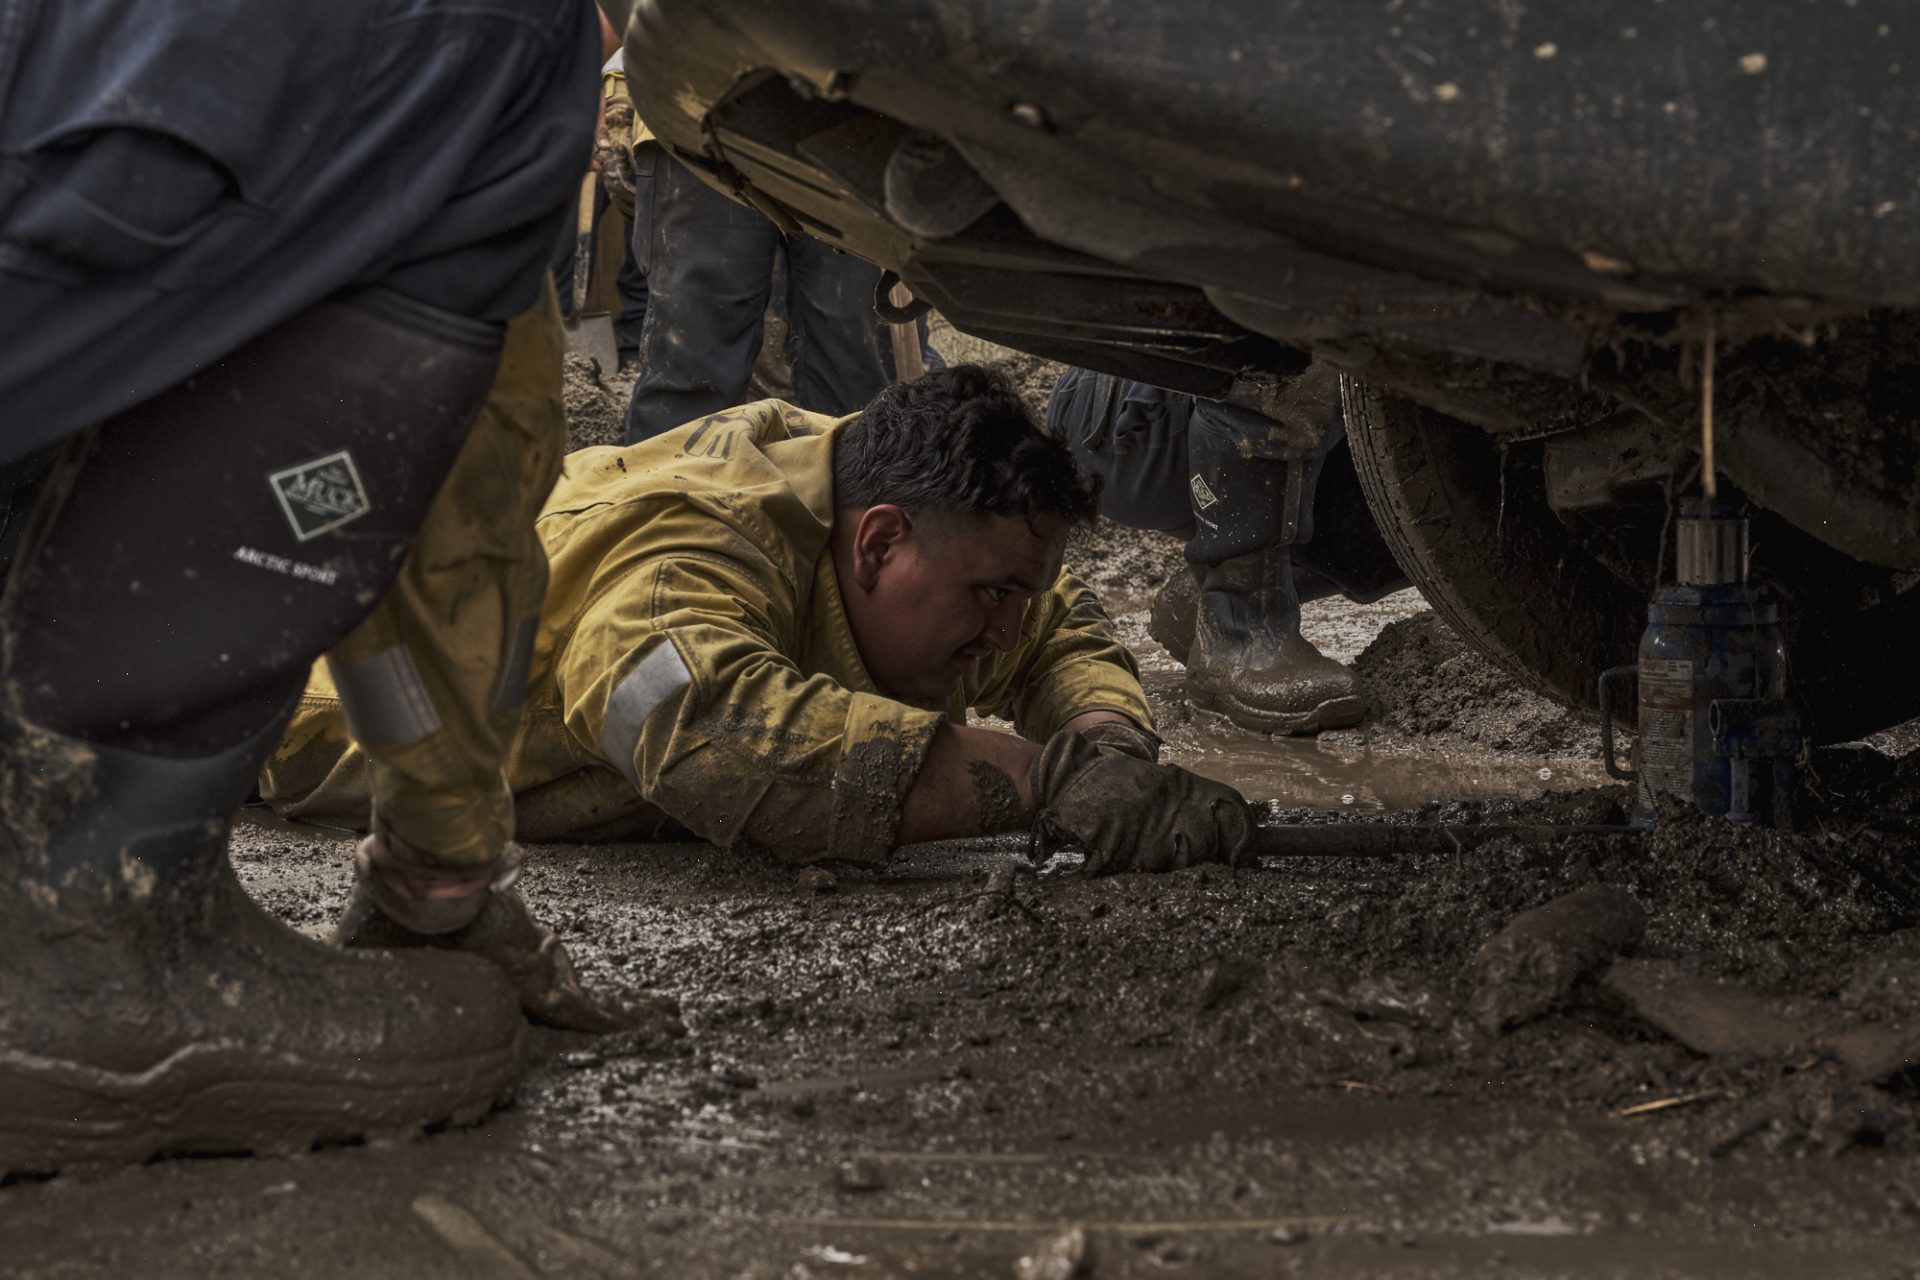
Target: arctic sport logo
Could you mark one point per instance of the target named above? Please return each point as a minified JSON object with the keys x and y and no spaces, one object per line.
{"x":320,"y":494}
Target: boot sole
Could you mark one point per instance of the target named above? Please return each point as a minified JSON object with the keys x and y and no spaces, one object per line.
{"x":1334,"y":713}
{"x":227,"y":1099}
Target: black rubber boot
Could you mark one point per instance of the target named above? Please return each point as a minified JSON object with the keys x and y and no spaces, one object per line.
{"x":149,"y":1007}
{"x":1171,"y":618}
{"x":1249,"y":661}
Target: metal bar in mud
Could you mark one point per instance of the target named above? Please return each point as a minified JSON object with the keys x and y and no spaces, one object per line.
{"x":1383,"y":840}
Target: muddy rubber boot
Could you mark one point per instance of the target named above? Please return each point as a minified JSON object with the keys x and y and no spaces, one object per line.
{"x":1170,"y":620}
{"x":149,"y":1007}
{"x":1249,"y":661}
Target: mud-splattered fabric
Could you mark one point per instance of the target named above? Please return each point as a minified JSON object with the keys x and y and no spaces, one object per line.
{"x":695,"y":664}
{"x":435,"y":677}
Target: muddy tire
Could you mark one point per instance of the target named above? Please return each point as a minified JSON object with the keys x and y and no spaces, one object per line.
{"x":1474,"y":533}
{"x":1471,"y":527}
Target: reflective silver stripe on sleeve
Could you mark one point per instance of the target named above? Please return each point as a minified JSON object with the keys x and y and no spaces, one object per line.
{"x":656,"y":677}
{"x":519,"y":664}
{"x":386,"y":702}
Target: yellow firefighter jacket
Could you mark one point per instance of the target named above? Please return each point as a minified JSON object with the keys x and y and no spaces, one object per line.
{"x":693,"y":661}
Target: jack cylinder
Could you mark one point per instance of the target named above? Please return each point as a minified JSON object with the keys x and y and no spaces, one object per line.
{"x":1716,"y":729}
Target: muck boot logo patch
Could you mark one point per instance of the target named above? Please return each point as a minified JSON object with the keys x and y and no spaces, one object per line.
{"x":320,"y":494}
{"x":1203,"y":497}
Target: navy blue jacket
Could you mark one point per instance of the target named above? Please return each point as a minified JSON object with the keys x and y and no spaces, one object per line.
{"x":178,"y":178}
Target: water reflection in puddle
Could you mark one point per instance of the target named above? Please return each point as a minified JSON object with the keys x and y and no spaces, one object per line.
{"x":1303,"y":773}
{"x":1298,"y":773}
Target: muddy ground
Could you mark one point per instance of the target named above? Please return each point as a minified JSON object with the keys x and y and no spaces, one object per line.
{"x":1339,"y":1067}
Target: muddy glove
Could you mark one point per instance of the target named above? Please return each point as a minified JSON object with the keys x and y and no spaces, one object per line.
{"x":394,"y":907}
{"x":1124,"y":738}
{"x":613,"y":156}
{"x":1130,"y":815}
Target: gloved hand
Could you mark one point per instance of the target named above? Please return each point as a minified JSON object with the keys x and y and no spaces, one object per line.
{"x":495,"y":923}
{"x":1123,"y":737}
{"x":1132,"y":815}
{"x":613,"y":155}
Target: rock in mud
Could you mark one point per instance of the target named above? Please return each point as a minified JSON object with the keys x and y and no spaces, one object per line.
{"x":1878,"y":1036}
{"x":1067,"y":1256}
{"x":1531,"y":965}
{"x":997,"y":894}
{"x":1711,"y":1015}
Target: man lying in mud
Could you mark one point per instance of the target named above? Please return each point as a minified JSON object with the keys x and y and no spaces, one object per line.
{"x":767,"y":628}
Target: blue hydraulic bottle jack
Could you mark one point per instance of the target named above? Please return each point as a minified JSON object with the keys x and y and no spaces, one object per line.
{"x":1716,"y":728}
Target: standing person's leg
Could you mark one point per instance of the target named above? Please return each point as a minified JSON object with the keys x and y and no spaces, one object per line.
{"x":187,"y":561}
{"x":631,"y":323}
{"x":1213,"y":474}
{"x":930,"y":357}
{"x":842,"y":350}
{"x":1252,"y":487}
{"x":1134,"y":437}
{"x":708,"y":261}
{"x":632,"y":319}
{"x":191,"y":554}
{"x":773,"y":367}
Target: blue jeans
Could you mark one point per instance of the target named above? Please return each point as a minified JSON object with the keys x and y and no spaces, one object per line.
{"x":709,"y":265}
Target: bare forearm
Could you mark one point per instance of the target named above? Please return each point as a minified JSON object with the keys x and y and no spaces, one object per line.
{"x":974,"y":782}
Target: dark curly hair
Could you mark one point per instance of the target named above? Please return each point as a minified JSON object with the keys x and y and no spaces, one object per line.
{"x":958,"y":440}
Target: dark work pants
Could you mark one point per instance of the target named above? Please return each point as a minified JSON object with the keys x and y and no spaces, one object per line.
{"x":632,"y":280}
{"x":1189,"y":467}
{"x":1134,"y":438}
{"x":1173,"y":462}
{"x":188,"y":559}
{"x":709,"y":267}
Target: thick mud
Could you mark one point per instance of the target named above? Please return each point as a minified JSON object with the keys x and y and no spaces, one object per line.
{"x":945,"y":1066}
{"x":596,"y":404}
{"x":960,"y":1065}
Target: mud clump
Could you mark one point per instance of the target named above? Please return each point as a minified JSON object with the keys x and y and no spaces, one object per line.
{"x":596,"y":406}
{"x":1114,"y":558}
{"x":1778,"y":971}
{"x":1771,"y":907}
{"x":1427,"y":684}
{"x":1538,"y":958}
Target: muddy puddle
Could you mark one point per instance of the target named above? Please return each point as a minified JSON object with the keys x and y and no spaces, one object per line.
{"x":1347,"y":771}
{"x":1296,"y":774}
{"x":1350,"y":773}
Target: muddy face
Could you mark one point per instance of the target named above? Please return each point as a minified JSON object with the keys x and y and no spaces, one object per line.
{"x":932,"y":597}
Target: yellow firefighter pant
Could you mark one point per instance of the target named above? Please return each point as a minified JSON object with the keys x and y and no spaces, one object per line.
{"x":432,"y":681}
